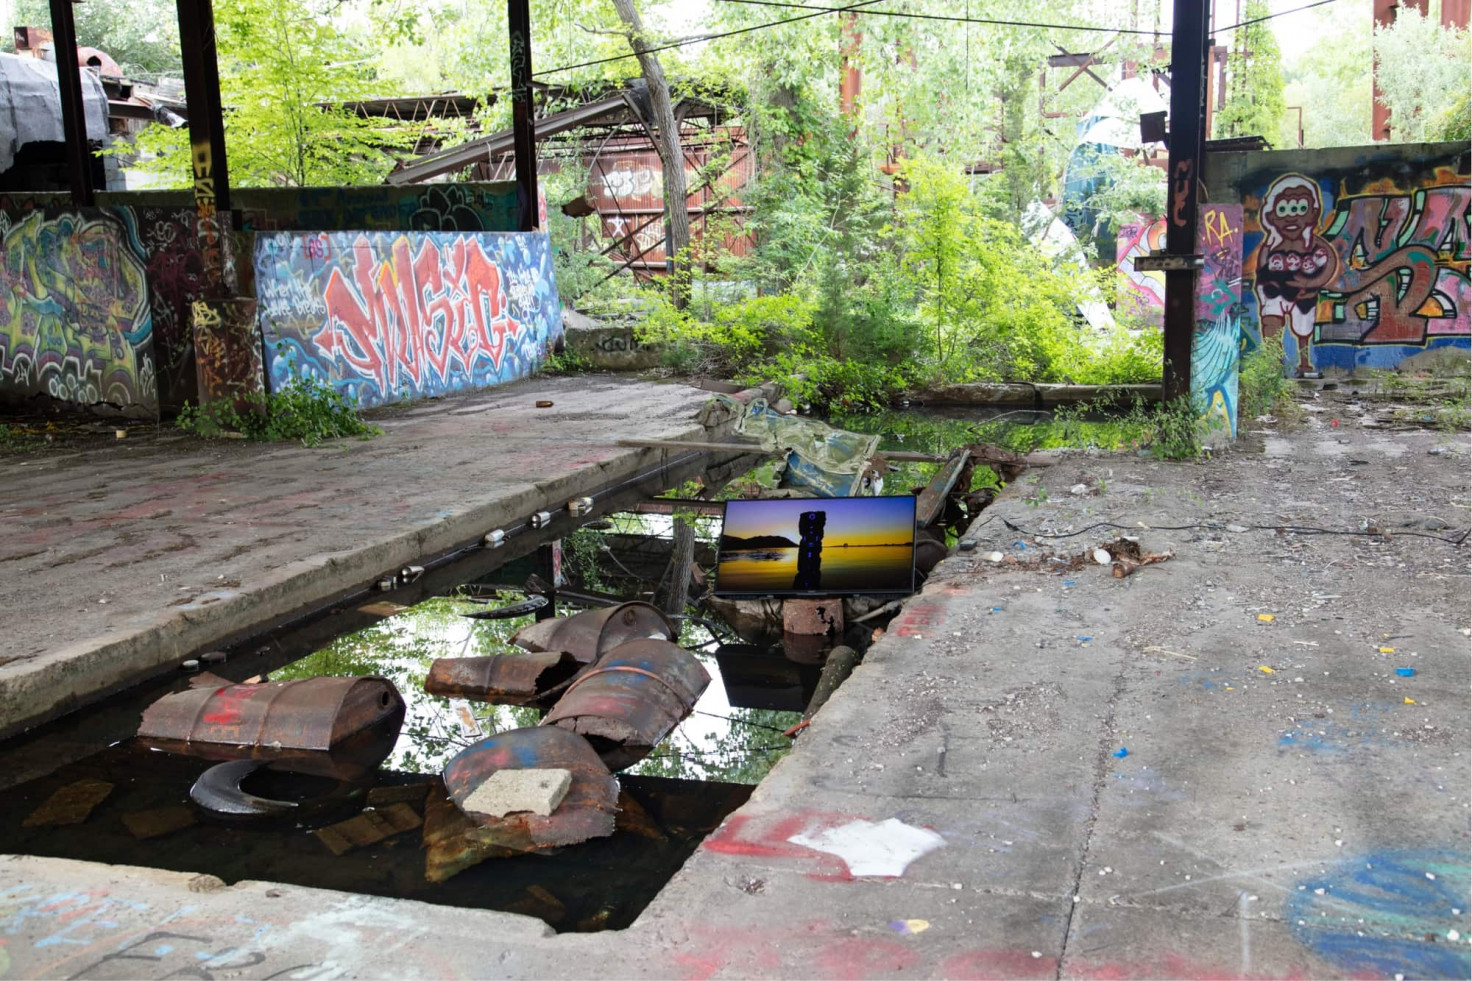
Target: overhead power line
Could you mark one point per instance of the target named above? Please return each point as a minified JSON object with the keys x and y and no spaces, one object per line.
{"x":1281,"y":13}
{"x":817,"y":12}
{"x":954,"y":20}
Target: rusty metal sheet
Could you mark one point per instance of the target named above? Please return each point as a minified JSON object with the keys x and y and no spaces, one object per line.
{"x":505,"y":679}
{"x":810,"y":627}
{"x":587,"y":635}
{"x":332,"y":727}
{"x":586,"y":811}
{"x":631,"y":699}
{"x":932,"y":501}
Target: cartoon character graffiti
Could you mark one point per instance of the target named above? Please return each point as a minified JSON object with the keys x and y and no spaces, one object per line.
{"x":1295,"y":261}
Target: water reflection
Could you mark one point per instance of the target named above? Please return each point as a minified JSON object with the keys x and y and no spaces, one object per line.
{"x":717,"y":742}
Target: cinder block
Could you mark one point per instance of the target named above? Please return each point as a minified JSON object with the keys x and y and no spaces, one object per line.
{"x":510,"y":791}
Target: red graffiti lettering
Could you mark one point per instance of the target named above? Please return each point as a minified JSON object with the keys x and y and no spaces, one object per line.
{"x":414,"y":319}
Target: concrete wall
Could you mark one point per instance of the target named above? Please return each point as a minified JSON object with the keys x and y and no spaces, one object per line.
{"x":387,"y":316}
{"x":42,"y":352}
{"x":1367,"y":262}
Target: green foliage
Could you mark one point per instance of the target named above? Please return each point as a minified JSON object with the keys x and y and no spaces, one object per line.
{"x":141,"y":35}
{"x":580,"y":550}
{"x":1262,"y":389}
{"x":304,"y":410}
{"x":284,"y":68}
{"x":13,"y":439}
{"x":1254,"y":105}
{"x":568,"y":362}
{"x":1423,"y":69}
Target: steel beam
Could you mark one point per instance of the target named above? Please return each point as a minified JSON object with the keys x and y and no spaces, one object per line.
{"x":1187,"y":123}
{"x":523,"y":125}
{"x":73,"y":112}
{"x":206,"y":136}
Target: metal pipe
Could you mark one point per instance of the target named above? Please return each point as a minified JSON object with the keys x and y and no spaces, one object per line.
{"x":1187,"y":117}
{"x":73,"y":112}
{"x":523,"y":124}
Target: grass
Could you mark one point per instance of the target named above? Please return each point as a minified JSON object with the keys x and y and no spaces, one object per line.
{"x":13,"y":439}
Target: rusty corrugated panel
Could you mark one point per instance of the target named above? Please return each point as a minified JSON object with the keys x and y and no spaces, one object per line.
{"x":505,"y":679}
{"x":631,"y":699}
{"x":333,"y":727}
{"x":589,"y":634}
{"x":586,"y":811}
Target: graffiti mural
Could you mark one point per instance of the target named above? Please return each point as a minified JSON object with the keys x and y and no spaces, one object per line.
{"x":1141,"y":293}
{"x":1358,"y":270}
{"x":76,"y":321}
{"x":387,"y":316}
{"x":1216,"y":344}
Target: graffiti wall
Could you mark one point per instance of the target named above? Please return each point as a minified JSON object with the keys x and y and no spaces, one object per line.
{"x":165,"y":223}
{"x":1216,"y":345}
{"x":388,"y":316}
{"x":75,"y":322}
{"x":1358,"y":257}
{"x":1140,"y":293}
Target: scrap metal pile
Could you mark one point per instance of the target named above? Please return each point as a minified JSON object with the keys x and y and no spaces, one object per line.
{"x":613,"y":683}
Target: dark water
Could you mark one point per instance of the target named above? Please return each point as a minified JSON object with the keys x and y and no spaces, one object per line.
{"x":840,"y":569}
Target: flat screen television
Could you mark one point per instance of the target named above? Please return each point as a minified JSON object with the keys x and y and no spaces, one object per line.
{"x":817,"y":547}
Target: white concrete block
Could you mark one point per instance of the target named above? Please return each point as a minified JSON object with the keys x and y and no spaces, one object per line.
{"x":512,"y":791}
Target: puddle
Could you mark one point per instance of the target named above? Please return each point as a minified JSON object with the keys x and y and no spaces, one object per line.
{"x":672,"y":799}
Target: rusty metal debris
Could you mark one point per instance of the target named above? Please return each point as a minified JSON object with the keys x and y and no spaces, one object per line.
{"x":332,"y":727}
{"x":159,"y":821}
{"x":368,"y":828}
{"x":588,"y":635}
{"x":505,"y":679}
{"x":529,"y":605}
{"x":70,"y":804}
{"x":631,"y":699}
{"x":452,"y":842}
{"x":586,"y":811}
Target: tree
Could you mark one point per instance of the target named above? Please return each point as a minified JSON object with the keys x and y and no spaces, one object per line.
{"x":665,"y":133}
{"x":285,"y":71}
{"x":1423,"y":69}
{"x":1254,"y":104}
{"x":141,"y":35}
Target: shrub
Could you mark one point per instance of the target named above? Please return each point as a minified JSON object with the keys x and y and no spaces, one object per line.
{"x":304,"y":409}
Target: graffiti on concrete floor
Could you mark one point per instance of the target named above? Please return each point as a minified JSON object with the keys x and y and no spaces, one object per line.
{"x":385,"y":316}
{"x":1389,"y":913}
{"x":76,"y":321}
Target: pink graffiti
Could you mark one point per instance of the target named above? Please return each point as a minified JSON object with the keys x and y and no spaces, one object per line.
{"x":408,"y":320}
{"x":1146,"y":290}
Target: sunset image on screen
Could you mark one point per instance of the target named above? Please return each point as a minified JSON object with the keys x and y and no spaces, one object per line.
{"x":817,"y":546}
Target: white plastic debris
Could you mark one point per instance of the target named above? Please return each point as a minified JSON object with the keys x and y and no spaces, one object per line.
{"x":1102,"y":556}
{"x":885,"y":848}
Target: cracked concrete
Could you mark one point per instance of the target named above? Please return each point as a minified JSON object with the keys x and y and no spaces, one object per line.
{"x":1208,"y":769}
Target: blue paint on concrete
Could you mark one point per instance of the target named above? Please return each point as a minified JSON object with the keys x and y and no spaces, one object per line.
{"x":1388,"y":913}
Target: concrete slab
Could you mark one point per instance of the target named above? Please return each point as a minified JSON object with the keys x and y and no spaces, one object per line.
{"x":1247,"y":832}
{"x":127,"y":556}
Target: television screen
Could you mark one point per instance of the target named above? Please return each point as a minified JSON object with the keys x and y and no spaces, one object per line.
{"x":817,"y":547}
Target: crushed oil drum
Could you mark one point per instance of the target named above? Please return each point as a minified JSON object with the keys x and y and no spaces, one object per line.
{"x":504,"y":679}
{"x":331,"y":727}
{"x":631,"y":699}
{"x":586,"y":811}
{"x":588,"y":635}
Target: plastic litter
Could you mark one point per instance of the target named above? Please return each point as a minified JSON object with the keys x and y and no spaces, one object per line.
{"x":1102,"y":556}
{"x":1084,"y":640}
{"x":1387,"y":650}
{"x":1406,"y":672}
{"x":1410,"y":701}
{"x":1121,"y":753}
{"x":1266,"y":617}
{"x":1265,"y":669}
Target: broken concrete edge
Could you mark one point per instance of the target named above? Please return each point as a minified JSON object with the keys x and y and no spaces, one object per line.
{"x":40,"y":689}
{"x":196,"y":888}
{"x":1029,"y":394}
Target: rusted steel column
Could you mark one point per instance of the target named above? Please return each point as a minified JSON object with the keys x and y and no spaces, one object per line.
{"x":1187,"y":116}
{"x":523,"y":125}
{"x":206,"y":138}
{"x":1454,"y":13}
{"x":1384,"y":13}
{"x":850,"y":81}
{"x":73,"y":112}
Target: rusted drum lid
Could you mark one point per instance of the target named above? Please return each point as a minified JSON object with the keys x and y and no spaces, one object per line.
{"x":586,"y":811}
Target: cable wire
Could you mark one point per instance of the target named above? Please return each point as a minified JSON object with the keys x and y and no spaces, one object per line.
{"x":956,"y":20}
{"x":1217,"y":526}
{"x":1281,"y":13}
{"x":708,"y":37}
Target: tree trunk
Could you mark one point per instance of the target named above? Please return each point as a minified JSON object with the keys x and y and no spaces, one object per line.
{"x":666,"y":136}
{"x":673,"y":591}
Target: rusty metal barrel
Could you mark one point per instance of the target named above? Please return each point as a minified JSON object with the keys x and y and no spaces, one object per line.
{"x":332,"y":727}
{"x":631,"y":699}
{"x":503,"y":679}
{"x":590,"y":634}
